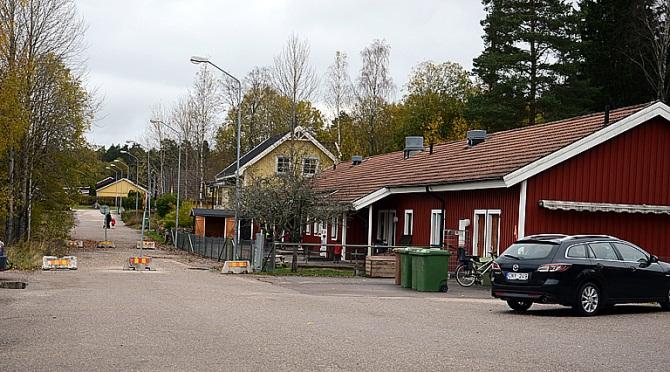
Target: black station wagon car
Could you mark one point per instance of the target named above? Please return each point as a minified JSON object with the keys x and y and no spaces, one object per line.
{"x":587,"y":273}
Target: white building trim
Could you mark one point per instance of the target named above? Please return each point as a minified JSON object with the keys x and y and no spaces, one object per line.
{"x":521,"y":224}
{"x":587,"y":143}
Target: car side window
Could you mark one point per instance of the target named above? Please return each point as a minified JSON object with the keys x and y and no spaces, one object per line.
{"x":603,"y":251}
{"x":629,"y":253}
{"x":577,"y":251}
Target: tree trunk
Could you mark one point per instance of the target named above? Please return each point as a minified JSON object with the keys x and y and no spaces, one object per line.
{"x":9,"y":228}
{"x":532,"y":104}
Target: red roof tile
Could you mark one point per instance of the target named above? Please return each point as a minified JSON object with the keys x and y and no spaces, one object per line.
{"x":455,"y":162}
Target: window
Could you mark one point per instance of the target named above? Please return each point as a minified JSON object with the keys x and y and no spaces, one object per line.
{"x":333,"y":228}
{"x":529,"y":251}
{"x":283,"y":164}
{"x":577,"y":251}
{"x":436,"y":227}
{"x":309,"y":166}
{"x":409,"y":222}
{"x":603,"y":251}
{"x":631,"y":254}
{"x":317,"y":228}
{"x":486,"y":232}
{"x":308,"y":227}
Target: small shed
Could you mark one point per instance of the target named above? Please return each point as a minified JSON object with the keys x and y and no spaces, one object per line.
{"x":214,"y":222}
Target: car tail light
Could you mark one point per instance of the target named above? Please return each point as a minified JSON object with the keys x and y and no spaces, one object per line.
{"x":495,"y":266}
{"x":553,"y":268}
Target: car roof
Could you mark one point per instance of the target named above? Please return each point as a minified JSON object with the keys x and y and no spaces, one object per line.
{"x":560,"y":238}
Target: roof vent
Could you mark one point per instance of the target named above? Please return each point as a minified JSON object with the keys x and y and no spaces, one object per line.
{"x":356,"y":159}
{"x":476,"y":136}
{"x":413,"y":145}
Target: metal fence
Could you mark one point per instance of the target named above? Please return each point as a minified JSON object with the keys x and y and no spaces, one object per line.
{"x":220,"y":249}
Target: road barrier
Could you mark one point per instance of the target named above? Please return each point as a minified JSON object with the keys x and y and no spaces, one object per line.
{"x":139,"y":263}
{"x":147,"y":245}
{"x":55,"y":263}
{"x":236,"y":267}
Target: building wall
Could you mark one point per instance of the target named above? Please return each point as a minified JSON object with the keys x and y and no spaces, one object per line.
{"x":200,"y":226}
{"x":266,"y":166}
{"x":632,"y":168}
{"x":462,"y":205}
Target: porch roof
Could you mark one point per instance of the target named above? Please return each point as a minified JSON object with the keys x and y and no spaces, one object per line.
{"x":455,"y":163}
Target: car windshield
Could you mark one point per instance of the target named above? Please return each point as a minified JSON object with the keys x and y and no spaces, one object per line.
{"x":529,"y":250}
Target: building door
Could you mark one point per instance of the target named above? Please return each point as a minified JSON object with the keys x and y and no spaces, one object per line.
{"x":486,"y":232}
{"x":386,"y":227}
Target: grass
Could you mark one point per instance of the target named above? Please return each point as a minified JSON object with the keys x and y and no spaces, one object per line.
{"x":28,"y":255}
{"x":286,"y":271}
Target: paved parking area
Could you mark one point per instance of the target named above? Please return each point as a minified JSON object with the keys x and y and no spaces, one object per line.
{"x":181,"y":317}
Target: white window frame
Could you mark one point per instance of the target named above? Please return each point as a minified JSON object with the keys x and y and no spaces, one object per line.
{"x":308,"y":227}
{"x":317,"y":227}
{"x":334,"y":229}
{"x":277,"y":164}
{"x":487,"y":237}
{"x":316,"y":165}
{"x":408,"y":229}
{"x":434,"y":212}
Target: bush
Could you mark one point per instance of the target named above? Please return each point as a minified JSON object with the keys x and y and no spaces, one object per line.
{"x":185,"y":219}
{"x":129,"y":202}
{"x":28,"y":255}
{"x":165,"y":203}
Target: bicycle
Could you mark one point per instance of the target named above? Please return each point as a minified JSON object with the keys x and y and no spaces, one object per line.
{"x":472,"y":271}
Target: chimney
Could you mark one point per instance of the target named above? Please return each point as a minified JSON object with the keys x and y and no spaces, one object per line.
{"x":356,"y":160}
{"x":607,"y":114}
{"x":413,"y":145}
{"x":476,"y":137}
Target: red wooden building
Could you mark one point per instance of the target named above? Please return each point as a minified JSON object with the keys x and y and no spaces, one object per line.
{"x":605,"y":173}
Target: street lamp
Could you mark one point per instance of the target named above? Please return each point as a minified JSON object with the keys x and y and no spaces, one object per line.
{"x":116,"y":166}
{"x":137,"y":179}
{"x":198,"y":60}
{"x":176,"y":223}
{"x":148,"y":189}
{"x":116,"y":178}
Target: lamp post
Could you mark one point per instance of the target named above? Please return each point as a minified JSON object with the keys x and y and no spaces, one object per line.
{"x":116,"y":178}
{"x":137,"y":179}
{"x":176,"y":223}
{"x":148,"y":188}
{"x":198,"y":60}
{"x":118,"y":161}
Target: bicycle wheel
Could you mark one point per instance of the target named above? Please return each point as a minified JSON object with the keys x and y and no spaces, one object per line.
{"x":465,"y":276}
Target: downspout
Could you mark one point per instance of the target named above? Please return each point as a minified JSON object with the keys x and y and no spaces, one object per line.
{"x":444,"y":211}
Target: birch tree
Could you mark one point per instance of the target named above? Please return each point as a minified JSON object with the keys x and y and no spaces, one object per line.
{"x":338,"y":94}
{"x":373,"y":91}
{"x":293,"y":76}
{"x":653,"y":59}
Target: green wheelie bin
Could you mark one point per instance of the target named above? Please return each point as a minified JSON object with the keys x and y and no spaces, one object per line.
{"x":430,"y":270}
{"x":405,"y":266}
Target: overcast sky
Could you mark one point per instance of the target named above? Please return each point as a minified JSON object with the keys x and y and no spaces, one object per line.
{"x":138,"y":51}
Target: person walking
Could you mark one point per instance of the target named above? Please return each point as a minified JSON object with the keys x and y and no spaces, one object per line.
{"x":337,"y":251}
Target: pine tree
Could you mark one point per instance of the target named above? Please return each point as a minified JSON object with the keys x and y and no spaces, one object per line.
{"x":528,"y":65}
{"x":610,"y":32}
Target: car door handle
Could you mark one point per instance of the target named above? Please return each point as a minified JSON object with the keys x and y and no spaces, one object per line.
{"x":632,"y":268}
{"x":599,"y":266}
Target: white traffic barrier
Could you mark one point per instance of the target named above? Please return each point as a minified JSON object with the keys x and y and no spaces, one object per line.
{"x":147,"y":244}
{"x":54,"y":263}
{"x":236,"y":267}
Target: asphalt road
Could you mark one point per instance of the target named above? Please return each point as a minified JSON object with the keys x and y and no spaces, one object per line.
{"x":180,"y":317}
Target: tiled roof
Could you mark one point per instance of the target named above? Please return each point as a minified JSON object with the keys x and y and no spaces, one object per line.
{"x":455,"y":162}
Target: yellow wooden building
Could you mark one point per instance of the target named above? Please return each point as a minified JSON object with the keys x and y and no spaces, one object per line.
{"x":119,"y":189}
{"x":275,"y":156}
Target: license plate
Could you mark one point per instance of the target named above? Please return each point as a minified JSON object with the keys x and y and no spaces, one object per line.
{"x":517,"y":276}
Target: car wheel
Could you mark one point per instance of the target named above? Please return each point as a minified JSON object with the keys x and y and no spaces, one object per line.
{"x":665,"y":305}
{"x":520,"y":305}
{"x":589,"y":300}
